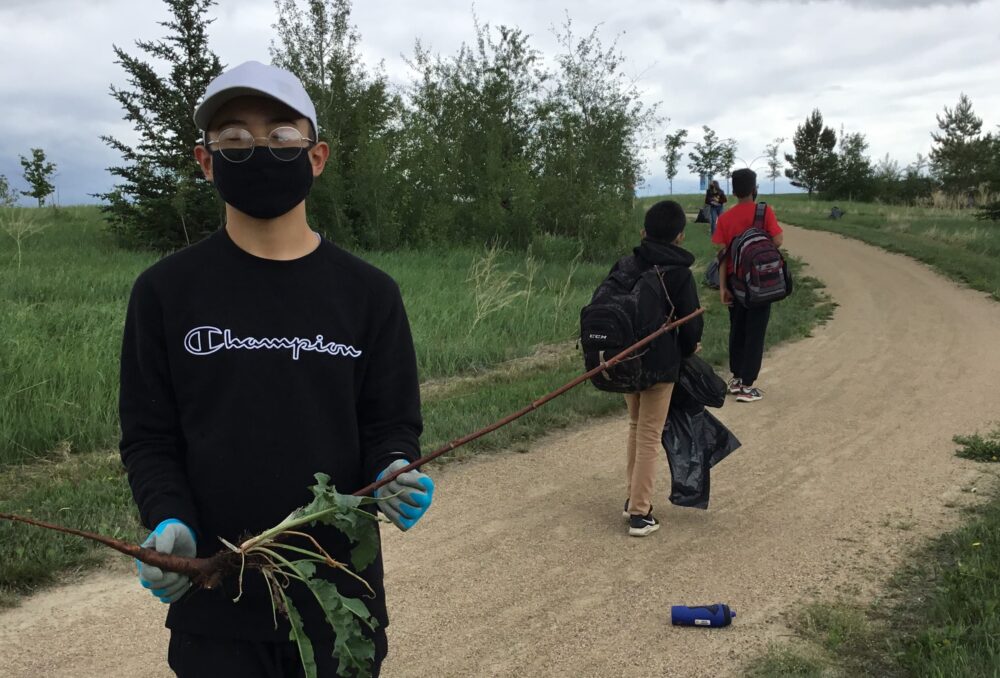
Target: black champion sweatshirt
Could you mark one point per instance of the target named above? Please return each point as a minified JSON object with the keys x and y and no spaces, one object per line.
{"x":241,"y":377}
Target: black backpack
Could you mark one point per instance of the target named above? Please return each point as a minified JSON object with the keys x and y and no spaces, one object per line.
{"x":759,"y":273}
{"x":614,"y":320}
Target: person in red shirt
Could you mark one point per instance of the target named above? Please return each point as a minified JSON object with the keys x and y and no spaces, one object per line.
{"x":747,"y":326}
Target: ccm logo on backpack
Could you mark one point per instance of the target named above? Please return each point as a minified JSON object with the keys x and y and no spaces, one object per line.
{"x":759,"y":273}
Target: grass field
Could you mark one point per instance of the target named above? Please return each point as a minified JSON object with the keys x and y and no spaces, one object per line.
{"x":62,"y":310}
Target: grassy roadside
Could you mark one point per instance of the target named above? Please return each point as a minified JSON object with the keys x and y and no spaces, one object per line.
{"x":952,"y":241}
{"x":938,"y":618}
{"x":62,"y":315}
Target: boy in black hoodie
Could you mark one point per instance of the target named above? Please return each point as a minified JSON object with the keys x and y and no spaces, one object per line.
{"x":662,"y":236}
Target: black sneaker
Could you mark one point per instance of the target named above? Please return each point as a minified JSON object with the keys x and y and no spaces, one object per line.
{"x":640,"y":526}
{"x":735,"y":386}
{"x":749,"y":394}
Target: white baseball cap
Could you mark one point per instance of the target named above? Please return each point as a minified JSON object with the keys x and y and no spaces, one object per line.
{"x":254,"y":79}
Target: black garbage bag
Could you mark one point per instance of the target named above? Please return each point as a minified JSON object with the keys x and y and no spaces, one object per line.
{"x":703,"y":215}
{"x":699,"y":381}
{"x":695,"y":441}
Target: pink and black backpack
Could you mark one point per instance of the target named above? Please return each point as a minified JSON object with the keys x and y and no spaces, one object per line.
{"x":759,"y":275}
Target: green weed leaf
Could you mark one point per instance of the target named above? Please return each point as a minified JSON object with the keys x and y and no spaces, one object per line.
{"x":344,"y":512}
{"x":352,"y":648}
{"x":298,"y":635}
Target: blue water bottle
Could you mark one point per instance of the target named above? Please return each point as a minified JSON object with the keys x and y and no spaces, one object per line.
{"x":702,"y":615}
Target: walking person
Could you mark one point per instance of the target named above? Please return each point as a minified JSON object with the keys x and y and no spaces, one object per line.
{"x":251,"y":361}
{"x":715,"y":198}
{"x":747,"y":326}
{"x":662,"y":237}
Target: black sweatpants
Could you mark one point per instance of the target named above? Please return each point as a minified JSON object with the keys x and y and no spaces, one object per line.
{"x":747,"y":327}
{"x":194,"y":656}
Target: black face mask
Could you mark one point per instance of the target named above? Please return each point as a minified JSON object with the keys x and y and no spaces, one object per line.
{"x":754,"y":196}
{"x":263,"y":186}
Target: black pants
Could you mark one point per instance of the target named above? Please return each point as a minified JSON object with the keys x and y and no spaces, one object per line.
{"x":194,"y":656}
{"x":747,"y":327}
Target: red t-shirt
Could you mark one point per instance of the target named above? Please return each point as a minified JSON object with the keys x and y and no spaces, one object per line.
{"x":739,"y":218}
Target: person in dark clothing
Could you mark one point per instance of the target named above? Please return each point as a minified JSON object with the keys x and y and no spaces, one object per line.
{"x":251,"y":361}
{"x":715,"y":198}
{"x":662,"y":237}
{"x":747,"y":326}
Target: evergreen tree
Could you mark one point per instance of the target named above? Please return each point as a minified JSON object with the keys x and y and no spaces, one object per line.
{"x":672,"y":154}
{"x":163,"y":201}
{"x":37,"y":173}
{"x":814,"y":159}
{"x":957,"y":157}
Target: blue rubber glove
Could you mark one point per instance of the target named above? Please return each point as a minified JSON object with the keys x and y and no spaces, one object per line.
{"x":173,"y":537}
{"x":407,"y":498}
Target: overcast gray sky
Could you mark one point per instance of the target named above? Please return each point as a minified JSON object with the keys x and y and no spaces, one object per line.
{"x":751,"y":71}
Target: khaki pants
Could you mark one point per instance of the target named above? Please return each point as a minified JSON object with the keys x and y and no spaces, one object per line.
{"x":647,"y":415}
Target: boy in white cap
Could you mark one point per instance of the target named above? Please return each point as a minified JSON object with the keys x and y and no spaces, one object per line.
{"x":251,"y":361}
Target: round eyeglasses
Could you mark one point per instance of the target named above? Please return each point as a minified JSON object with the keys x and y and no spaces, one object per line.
{"x":237,"y":145}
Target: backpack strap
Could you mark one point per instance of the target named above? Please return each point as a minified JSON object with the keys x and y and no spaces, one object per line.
{"x":758,"y":217}
{"x":758,"y":222}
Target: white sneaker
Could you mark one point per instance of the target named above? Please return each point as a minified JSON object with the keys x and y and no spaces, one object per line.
{"x":640,"y":526}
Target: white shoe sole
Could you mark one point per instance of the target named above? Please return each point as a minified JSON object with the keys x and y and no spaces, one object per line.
{"x":643,"y":531}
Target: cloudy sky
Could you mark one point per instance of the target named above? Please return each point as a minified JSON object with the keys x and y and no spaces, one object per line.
{"x":751,"y":71}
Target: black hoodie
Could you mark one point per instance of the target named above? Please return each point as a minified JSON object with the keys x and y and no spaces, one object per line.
{"x":666,"y":354}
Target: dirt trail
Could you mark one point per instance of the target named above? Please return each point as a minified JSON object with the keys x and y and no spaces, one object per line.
{"x":524,"y":568}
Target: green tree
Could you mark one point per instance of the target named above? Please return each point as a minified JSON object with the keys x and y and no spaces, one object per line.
{"x":352,"y":201}
{"x":959,"y":150}
{"x":37,"y":173}
{"x":852,"y":175}
{"x":992,"y":174}
{"x":708,"y":154}
{"x":774,"y":164}
{"x":727,"y":158}
{"x":591,"y":132}
{"x":8,"y":196}
{"x":672,"y":154}
{"x":916,"y":185}
{"x":163,"y":201}
{"x":814,"y":158}
{"x":471,"y":141}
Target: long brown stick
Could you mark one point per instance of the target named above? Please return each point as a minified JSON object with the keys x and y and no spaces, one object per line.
{"x":203,"y":571}
{"x":666,"y":327}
